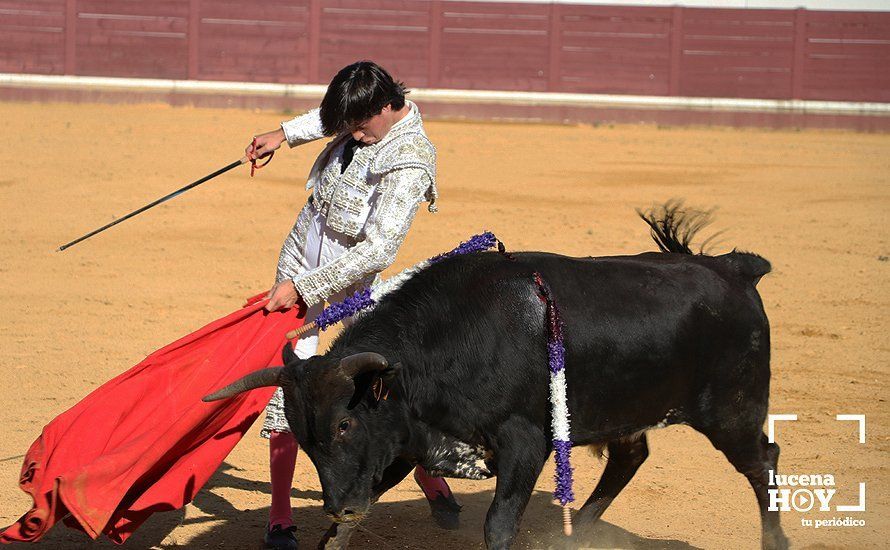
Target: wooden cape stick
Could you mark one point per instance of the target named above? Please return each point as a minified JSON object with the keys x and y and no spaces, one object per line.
{"x":300,"y":331}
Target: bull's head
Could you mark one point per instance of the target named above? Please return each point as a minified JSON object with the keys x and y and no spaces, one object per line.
{"x":338,"y":411}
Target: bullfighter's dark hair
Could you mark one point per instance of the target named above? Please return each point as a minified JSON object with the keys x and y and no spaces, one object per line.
{"x":358,"y":92}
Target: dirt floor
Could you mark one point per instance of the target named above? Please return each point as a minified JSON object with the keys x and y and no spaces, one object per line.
{"x":814,"y":203}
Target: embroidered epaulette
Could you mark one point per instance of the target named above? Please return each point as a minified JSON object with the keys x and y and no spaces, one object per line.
{"x":410,"y":150}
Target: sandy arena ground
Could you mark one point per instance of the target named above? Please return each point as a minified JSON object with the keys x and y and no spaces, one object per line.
{"x":814,"y":203}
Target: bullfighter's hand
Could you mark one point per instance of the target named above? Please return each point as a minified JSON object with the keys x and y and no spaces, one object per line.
{"x":265,"y":144}
{"x":283,"y":295}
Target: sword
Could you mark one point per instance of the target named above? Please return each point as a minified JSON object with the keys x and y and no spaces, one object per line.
{"x":174,"y":194}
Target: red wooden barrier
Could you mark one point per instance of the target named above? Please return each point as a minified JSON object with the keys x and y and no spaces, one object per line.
{"x":737,"y":53}
{"x":847,"y":57}
{"x":33,"y":37}
{"x":615,"y":50}
{"x":253,"y":41}
{"x":394,"y":33}
{"x":801,"y":54}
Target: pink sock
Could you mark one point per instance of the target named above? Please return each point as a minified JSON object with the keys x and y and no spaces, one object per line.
{"x":431,"y":486}
{"x":282,"y":460}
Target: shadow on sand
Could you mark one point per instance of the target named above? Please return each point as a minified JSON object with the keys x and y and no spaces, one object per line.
{"x":403,"y":524}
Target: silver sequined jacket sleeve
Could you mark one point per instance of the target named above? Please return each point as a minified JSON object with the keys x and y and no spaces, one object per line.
{"x":304,"y":128}
{"x":401,"y":192}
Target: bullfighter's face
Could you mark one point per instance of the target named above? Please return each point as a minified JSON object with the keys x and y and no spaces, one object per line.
{"x":337,"y":411}
{"x":374,"y":129}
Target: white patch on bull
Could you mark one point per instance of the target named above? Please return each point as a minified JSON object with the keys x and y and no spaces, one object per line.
{"x":450,"y":457}
{"x":670,"y":417}
{"x":755,"y":339}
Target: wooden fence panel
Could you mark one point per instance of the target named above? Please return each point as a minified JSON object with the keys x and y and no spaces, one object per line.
{"x":495,"y":46}
{"x":393,"y":33}
{"x":737,"y":53}
{"x":615,"y":50}
{"x":132,"y":38}
{"x":847,"y":58}
{"x":266,"y":42}
{"x":33,"y":36}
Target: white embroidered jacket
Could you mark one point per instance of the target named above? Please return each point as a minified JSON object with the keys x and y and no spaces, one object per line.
{"x":372,"y":203}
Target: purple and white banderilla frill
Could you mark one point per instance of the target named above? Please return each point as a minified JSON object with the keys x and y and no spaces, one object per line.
{"x":367,"y":298}
{"x":559,"y":408}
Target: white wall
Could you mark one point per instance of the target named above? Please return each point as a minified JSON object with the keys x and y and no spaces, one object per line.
{"x":851,"y":5}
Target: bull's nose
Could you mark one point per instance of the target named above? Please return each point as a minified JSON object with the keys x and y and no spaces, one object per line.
{"x":343,"y":515}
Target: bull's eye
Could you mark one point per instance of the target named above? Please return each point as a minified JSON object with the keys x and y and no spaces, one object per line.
{"x":343,"y":426}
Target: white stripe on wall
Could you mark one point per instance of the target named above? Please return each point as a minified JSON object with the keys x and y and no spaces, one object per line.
{"x":313,"y":91}
{"x":837,"y":5}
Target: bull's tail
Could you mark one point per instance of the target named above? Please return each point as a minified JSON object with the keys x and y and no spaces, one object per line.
{"x":673,"y":227}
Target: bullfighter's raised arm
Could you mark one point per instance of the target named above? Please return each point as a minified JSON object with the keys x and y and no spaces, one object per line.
{"x":296,"y":131}
{"x":303,"y":128}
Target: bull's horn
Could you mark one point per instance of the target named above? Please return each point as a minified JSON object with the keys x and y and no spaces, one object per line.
{"x":258,"y":379}
{"x":358,"y":363}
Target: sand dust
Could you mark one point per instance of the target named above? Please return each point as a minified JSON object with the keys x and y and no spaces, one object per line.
{"x":814,"y":203}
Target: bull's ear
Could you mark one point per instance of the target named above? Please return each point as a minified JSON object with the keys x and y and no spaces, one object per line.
{"x":390,"y":373}
{"x":287,"y":354}
{"x":374,"y":384}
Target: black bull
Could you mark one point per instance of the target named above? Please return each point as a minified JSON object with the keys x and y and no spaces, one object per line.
{"x":450,"y":372}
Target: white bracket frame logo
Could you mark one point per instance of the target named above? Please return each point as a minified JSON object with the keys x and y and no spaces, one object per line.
{"x":860,"y":418}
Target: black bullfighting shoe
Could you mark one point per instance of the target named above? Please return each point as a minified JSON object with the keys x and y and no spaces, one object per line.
{"x":446,"y":511}
{"x":278,"y":538}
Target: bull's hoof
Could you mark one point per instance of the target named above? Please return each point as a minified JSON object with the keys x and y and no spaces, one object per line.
{"x":280,"y":538}
{"x":775,"y":540}
{"x":336,"y":537}
{"x":446,"y":512}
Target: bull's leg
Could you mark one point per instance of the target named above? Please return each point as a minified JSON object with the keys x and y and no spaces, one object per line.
{"x":521,"y":454}
{"x":336,"y":537}
{"x":625,"y":457}
{"x":754,"y":456}
{"x":338,"y":534}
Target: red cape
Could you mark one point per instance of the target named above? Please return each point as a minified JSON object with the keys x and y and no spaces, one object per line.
{"x":144,"y":442}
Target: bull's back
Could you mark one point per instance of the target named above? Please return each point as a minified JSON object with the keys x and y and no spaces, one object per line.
{"x":637,"y":330}
{"x":644,"y":333}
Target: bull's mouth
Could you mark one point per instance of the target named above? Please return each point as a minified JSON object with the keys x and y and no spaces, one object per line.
{"x":348,"y":517}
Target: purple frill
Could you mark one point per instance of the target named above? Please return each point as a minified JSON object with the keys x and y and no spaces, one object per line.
{"x":557,"y":352}
{"x":562,"y":451}
{"x":476,"y":243}
{"x":338,"y":311}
